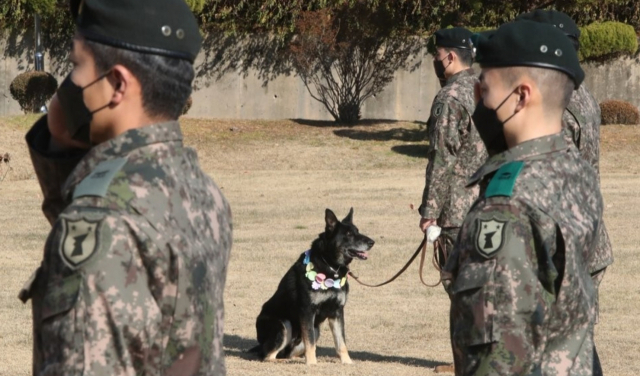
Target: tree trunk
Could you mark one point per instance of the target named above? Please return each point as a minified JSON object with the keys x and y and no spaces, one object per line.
{"x":349,"y":112}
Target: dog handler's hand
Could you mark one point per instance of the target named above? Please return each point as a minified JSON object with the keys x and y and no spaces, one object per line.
{"x":425,"y":223}
{"x":60,"y":136}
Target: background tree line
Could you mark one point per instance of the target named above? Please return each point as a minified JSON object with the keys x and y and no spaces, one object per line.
{"x":345,"y":51}
{"x":281,"y":16}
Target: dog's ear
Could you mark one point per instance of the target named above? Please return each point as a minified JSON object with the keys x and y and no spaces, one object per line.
{"x":349,"y":217}
{"x":330,"y":219}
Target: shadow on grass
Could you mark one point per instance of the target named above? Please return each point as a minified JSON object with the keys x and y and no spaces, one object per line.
{"x":415,"y":151}
{"x":238,"y":347}
{"x":333,"y":124}
{"x":395,"y":134}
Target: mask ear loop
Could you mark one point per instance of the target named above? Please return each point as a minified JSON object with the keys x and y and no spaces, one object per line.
{"x":102,"y":76}
{"x":96,"y":80}
{"x":505,"y":101}
{"x":450,"y":61}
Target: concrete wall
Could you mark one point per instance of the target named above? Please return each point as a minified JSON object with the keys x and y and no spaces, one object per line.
{"x":618,"y":79}
{"x":237,"y":93}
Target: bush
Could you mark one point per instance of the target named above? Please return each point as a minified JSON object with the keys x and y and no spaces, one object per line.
{"x":606,"y":40}
{"x":348,"y":55}
{"x":187,"y":105}
{"x":196,"y":5}
{"x":33,"y":89}
{"x":619,"y":112}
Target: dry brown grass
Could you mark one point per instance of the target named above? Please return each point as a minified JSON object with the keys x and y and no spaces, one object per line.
{"x":279,"y":178}
{"x":12,"y":131}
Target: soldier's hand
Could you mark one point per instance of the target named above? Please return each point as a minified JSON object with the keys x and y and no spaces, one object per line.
{"x":425,"y":223}
{"x":60,"y":136}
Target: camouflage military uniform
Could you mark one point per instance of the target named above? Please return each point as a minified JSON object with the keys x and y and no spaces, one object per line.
{"x":581,"y":125}
{"x":134,"y":268}
{"x":455,"y":152}
{"x":522,"y":301}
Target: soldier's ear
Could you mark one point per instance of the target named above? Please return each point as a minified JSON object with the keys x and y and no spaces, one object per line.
{"x":524,"y":92}
{"x":121,"y":79}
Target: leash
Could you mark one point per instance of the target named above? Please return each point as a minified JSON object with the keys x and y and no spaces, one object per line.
{"x":438,"y":250}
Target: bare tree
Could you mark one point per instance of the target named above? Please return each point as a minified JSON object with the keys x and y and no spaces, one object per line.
{"x":346,"y":55}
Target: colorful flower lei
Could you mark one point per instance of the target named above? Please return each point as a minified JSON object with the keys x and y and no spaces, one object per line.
{"x":319,"y":281}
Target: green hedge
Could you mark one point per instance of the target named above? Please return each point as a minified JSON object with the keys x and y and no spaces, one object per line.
{"x":602,"y":40}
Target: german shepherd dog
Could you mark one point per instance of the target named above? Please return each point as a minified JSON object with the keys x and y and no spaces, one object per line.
{"x":314,"y":289}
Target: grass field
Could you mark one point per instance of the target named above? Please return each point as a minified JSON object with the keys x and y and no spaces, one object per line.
{"x":279,"y":178}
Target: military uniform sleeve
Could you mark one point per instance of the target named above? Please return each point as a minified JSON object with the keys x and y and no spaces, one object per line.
{"x":52,"y":168}
{"x":502,"y":289}
{"x":571,"y":128}
{"x":97,"y":314}
{"x":444,"y":143}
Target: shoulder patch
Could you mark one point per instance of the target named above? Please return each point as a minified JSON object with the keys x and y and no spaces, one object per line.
{"x":98,"y":181}
{"x":437,"y":110}
{"x":490,"y":236}
{"x":504,"y":180}
{"x":80,"y":240}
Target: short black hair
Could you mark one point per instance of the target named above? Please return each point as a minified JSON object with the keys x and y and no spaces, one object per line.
{"x":165,"y":81}
{"x":465,"y":55}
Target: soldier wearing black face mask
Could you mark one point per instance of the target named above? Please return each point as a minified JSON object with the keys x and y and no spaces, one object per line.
{"x":581,"y":126}
{"x":522,"y":298}
{"x":133,"y":271}
{"x":455,"y":148}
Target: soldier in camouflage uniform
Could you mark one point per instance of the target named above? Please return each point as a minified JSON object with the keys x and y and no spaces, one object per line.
{"x":133,"y":271}
{"x":581,"y":126}
{"x":455,"y":149}
{"x":522,"y":299}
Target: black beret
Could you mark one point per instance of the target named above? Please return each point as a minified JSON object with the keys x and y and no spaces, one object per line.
{"x":529,"y":44}
{"x":553,"y":17}
{"x":159,"y":27}
{"x":482,"y":34}
{"x":456,"y":37}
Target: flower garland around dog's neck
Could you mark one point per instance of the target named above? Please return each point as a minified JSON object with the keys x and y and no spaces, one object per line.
{"x":319,"y":280}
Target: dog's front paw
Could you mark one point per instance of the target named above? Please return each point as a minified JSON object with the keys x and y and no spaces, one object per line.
{"x":311,"y":361}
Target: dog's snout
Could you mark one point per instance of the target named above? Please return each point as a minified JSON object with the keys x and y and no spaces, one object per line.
{"x":370,"y":243}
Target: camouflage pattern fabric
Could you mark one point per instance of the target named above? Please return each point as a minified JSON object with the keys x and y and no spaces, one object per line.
{"x":522,"y":299}
{"x":133,"y":273}
{"x":581,"y":126}
{"x":448,"y":237}
{"x":455,"y":152}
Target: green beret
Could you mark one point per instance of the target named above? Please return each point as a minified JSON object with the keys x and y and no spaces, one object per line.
{"x":159,"y":27}
{"x":552,"y":17}
{"x":456,"y":37}
{"x":529,"y":44}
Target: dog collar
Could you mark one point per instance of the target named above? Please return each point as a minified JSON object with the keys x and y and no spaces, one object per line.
{"x":319,"y":281}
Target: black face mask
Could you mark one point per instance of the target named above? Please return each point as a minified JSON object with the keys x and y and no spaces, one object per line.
{"x":490,"y":128}
{"x":439,"y":67}
{"x":78,"y":116}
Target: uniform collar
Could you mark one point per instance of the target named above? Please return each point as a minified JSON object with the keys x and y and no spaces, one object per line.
{"x":528,"y":150}
{"x":463,"y":73}
{"x":122,"y":145}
